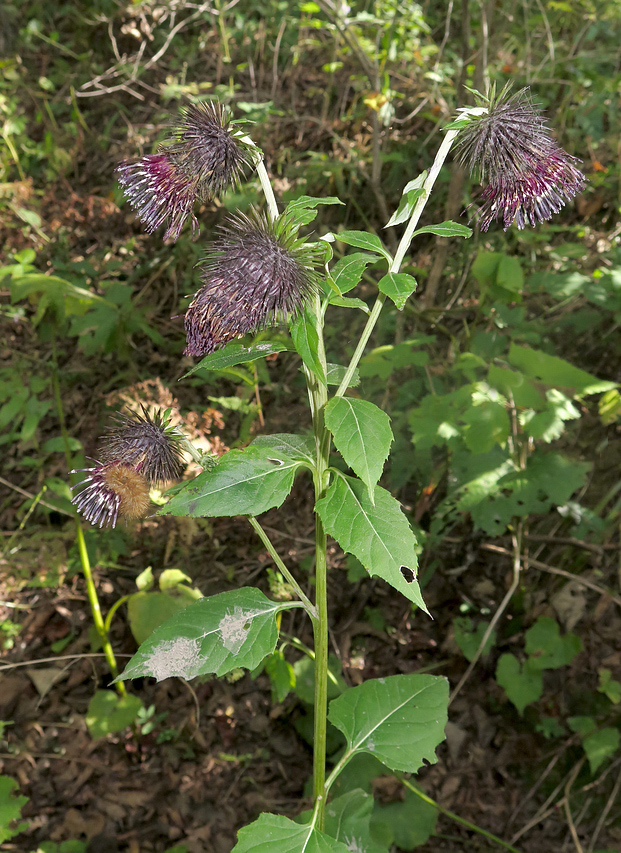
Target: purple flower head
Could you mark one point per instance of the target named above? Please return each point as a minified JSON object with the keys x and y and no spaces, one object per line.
{"x":202,"y":157}
{"x":258,"y":274}
{"x":146,"y":442}
{"x":113,"y":489}
{"x":527,"y":176}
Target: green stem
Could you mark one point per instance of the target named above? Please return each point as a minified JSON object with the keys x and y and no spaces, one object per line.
{"x":402,"y":248}
{"x":266,"y":186}
{"x":471,"y":826}
{"x":113,"y":610}
{"x":319,"y":397}
{"x":91,"y":589}
{"x":308,"y":604}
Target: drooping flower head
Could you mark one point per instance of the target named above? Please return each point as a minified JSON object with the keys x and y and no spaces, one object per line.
{"x":202,"y":157}
{"x":139,"y":451}
{"x":258,"y":274}
{"x":527,"y":176}
{"x":113,"y":489}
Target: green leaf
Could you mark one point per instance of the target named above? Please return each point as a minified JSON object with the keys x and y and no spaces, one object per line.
{"x":304,"y":671}
{"x":294,"y":446}
{"x":336,"y":373}
{"x":557,"y":372}
{"x":398,"y":287}
{"x":148,"y":610}
{"x":244,"y":482}
{"x":601,"y":745}
{"x":412,"y":191}
{"x":363,"y":240}
{"x":348,"y":820}
{"x":108,"y":712}
{"x":233,"y":354}
{"x":445,"y":229}
{"x":399,"y":720}
{"x":346,"y":302}
{"x":302,"y":210}
{"x":546,"y":648}
{"x":347,"y":271}
{"x":306,"y":342}
{"x":362,"y":435}
{"x":468,"y":638}
{"x":522,"y":684}
{"x":379,"y":536}
{"x":408,"y":823}
{"x":609,"y":686}
{"x":277,"y":834}
{"x":281,"y":675}
{"x":11,"y":806}
{"x":213,"y":635}
{"x":598,"y":745}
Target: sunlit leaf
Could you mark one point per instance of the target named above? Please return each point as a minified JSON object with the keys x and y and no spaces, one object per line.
{"x":213,"y":635}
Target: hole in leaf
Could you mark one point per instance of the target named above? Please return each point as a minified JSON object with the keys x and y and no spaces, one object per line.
{"x":408,"y":574}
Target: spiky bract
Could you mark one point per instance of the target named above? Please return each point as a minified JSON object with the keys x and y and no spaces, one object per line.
{"x":145,"y":441}
{"x":112,"y":489}
{"x":258,"y":274}
{"x":200,"y":160}
{"x":528,"y":177}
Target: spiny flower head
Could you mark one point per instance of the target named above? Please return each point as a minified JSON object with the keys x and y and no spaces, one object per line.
{"x":202,"y":157}
{"x":259,"y":273}
{"x":147,"y":442}
{"x":113,"y":489}
{"x":528,"y":177}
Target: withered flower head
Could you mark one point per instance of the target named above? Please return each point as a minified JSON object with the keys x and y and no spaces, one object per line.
{"x":139,"y":451}
{"x":528,"y":177}
{"x":202,"y":157}
{"x":113,"y":488}
{"x":258,"y":274}
{"x":145,"y":441}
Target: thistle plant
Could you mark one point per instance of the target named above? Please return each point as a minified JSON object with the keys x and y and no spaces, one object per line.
{"x":261,"y":272}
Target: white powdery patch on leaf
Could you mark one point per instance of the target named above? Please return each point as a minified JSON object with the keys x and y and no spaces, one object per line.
{"x":234,"y":628}
{"x":353,"y":845}
{"x":179,"y":657}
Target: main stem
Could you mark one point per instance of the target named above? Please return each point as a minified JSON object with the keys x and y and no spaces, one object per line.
{"x":318,"y":393}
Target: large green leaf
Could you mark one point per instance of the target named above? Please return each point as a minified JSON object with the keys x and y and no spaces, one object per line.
{"x":272,"y":833}
{"x":234,"y":353}
{"x":398,"y":287}
{"x":244,"y":482}
{"x":400,"y":719}
{"x":362,"y":435}
{"x":348,"y":820}
{"x":213,"y":635}
{"x":408,"y":822}
{"x":555,"y":371}
{"x":379,"y":536}
{"x":364,"y":240}
{"x":305,"y":338}
{"x":347,"y":271}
